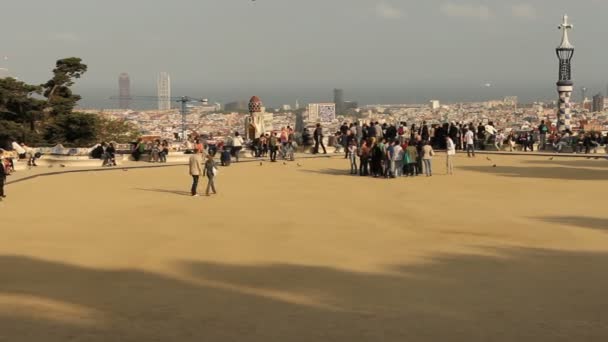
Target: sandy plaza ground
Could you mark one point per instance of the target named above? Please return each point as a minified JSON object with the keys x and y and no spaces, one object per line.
{"x":516,"y":252}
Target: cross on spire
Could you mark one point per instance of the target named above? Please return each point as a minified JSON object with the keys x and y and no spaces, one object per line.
{"x":565,"y":26}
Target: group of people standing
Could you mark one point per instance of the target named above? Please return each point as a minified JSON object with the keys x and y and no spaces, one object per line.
{"x":273,"y":144}
{"x":395,"y":158}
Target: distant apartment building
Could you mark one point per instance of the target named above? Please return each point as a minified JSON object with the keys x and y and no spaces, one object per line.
{"x":321,"y":112}
{"x":339,"y":100}
{"x":435,"y":104}
{"x":163,"y":86}
{"x":598,"y":104}
{"x":511,"y":101}
{"x":236,"y":106}
{"x":124,"y":91}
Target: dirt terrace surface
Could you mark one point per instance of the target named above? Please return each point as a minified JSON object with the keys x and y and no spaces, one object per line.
{"x":517,"y":252}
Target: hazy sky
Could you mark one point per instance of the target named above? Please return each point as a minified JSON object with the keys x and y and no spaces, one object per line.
{"x":377,"y":50}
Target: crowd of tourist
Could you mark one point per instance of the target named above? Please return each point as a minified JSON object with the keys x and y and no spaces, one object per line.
{"x":282,"y":144}
{"x":473,"y":137}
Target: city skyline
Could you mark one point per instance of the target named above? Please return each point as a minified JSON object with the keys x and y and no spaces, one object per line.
{"x":271,"y":45}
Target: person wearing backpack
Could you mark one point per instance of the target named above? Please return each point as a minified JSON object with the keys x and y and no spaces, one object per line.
{"x":411,"y":157}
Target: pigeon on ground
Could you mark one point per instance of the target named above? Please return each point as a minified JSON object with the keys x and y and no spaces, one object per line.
{"x":284,"y":163}
{"x":494,"y":165}
{"x":488,"y":159}
{"x":299,"y":165}
{"x":62,"y":165}
{"x":261,"y":164}
{"x":551,"y":158}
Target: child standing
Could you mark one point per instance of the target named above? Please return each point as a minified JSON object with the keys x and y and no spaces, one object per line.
{"x":210,"y":172}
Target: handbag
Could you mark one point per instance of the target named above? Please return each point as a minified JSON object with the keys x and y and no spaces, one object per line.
{"x":214,"y":171}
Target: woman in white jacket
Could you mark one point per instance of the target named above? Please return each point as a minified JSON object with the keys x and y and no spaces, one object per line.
{"x":451,"y":152}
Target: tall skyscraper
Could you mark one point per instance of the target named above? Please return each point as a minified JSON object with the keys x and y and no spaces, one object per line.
{"x":598,"y":103}
{"x":339,"y":100}
{"x":164,"y":91}
{"x":565,"y":86}
{"x":124,"y":91}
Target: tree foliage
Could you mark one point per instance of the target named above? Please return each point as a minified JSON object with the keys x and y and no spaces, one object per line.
{"x":17,"y":103}
{"x":73,"y":128}
{"x":25,"y":116}
{"x":115,"y":130}
{"x":10,"y":131}
{"x":60,"y":98}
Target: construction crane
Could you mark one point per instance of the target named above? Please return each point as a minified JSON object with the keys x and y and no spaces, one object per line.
{"x":183,"y":100}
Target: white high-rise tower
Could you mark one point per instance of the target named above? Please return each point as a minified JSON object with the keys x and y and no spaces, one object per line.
{"x":163,"y":85}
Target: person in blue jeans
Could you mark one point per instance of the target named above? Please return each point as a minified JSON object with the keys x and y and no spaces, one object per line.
{"x":427,"y":157}
{"x":352,"y":154}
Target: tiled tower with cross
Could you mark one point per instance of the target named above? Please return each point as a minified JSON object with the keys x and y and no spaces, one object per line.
{"x":565,"y":86}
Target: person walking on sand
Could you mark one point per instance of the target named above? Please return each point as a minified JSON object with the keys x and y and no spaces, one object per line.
{"x":469,"y":138}
{"x":196,"y":170}
{"x":210,"y":172}
{"x":237,"y":145}
{"x":427,"y":157}
{"x":318,"y":137}
{"x":451,"y":152}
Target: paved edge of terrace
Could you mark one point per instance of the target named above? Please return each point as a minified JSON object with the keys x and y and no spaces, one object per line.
{"x":135,"y":167}
{"x":331,"y":155}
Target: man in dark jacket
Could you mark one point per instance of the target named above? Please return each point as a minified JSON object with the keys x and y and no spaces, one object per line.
{"x":344,"y":128}
{"x":424,"y":132}
{"x":318,"y":136}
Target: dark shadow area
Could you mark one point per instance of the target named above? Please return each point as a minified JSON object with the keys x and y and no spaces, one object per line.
{"x":523,"y":295}
{"x":332,"y":172}
{"x":541,"y":172}
{"x":579,"y":221}
{"x":167,"y":191}
{"x":602,"y":162}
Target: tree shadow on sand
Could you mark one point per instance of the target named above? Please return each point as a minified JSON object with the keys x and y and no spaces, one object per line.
{"x":564,"y":173}
{"x":167,"y":191}
{"x":517,"y":295}
{"x":579,"y":221}
{"x":332,"y":172}
{"x":570,"y":163}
